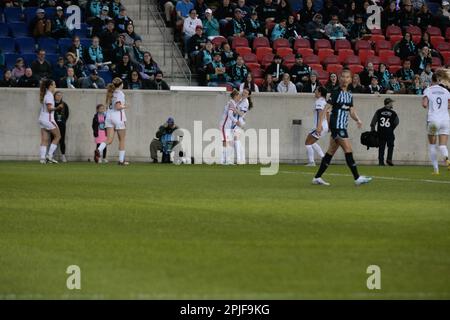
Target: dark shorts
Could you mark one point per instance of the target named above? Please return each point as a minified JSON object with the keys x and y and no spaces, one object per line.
{"x":339,"y":134}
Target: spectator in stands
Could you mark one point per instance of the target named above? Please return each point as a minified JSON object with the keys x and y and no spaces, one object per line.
{"x":421,"y":60}
{"x":94,"y":57}
{"x":210,"y":24}
{"x":424,"y":18}
{"x":200,"y":6}
{"x":425,"y":41}
{"x":59,"y":27}
{"x":368,"y":72}
{"x":189,"y":26}
{"x":130,"y":35}
{"x":283,"y":10}
{"x":268,"y":85}
{"x":41,"y":67}
{"x":286,"y":85}
{"x":183,"y":9}
{"x":316,"y":29}
{"x":355,"y":86}
{"x":406,"y":74}
{"x":122,"y":20}
{"x":332,"y":83}
{"x":77,"y":49}
{"x":395,"y":86}
{"x":196,"y":42}
{"x":390,"y":16}
{"x":228,"y":56}
{"x":384,"y":75}
{"x":253,"y":28}
{"x":300,"y":72}
{"x":19,"y":69}
{"x":249,"y":84}
{"x":418,"y":4}
{"x":443,"y":16}
{"x":70,"y":81}
{"x":238,"y":24}
{"x":94,"y":81}
{"x":416,"y":87}
{"x":134,"y":81}
{"x":307,"y":13}
{"x":425,"y":76}
{"x":114,"y":8}
{"x":95,"y":7}
{"x":239,"y":72}
{"x":224,"y":13}
{"x":277,"y":69}
{"x":40,"y":26}
{"x":279,"y":31}
{"x":246,"y":10}
{"x":169,"y":8}
{"x":217,"y":73}
{"x":137,"y":55}
{"x":203,"y":59}
{"x":374,"y":87}
{"x":407,"y":15}
{"x":7,"y":81}
{"x":358,"y":30}
{"x":334,"y":30}
{"x":267,"y":12}
{"x":349,"y":15}
{"x":107,"y":40}
{"x":124,"y":68}
{"x":73,"y":62}
{"x":59,"y":70}
{"x":149,"y":67}
{"x":294,"y":29}
{"x":158,"y":83}
{"x":28,"y":80}
{"x":120,"y":49}
{"x":406,"y":47}
{"x":99,"y":22}
{"x":329,"y":10}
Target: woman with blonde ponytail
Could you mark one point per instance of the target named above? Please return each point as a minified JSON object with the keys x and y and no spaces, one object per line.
{"x":47,"y":121}
{"x":115,"y":119}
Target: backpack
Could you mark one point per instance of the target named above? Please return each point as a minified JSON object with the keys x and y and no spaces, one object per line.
{"x":370,"y":139}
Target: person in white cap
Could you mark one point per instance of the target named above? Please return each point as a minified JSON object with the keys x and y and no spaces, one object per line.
{"x":211,"y":26}
{"x":40,"y":26}
{"x":59,"y":27}
{"x":443,"y":14}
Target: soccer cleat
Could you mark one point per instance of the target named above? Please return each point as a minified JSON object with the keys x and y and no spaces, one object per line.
{"x":390,"y":163}
{"x":320,"y":181}
{"x":435,"y":173}
{"x":96,"y":155}
{"x":42,"y":161}
{"x":362,"y":180}
{"x":310,"y":164}
{"x":123,"y":163}
{"x":51,"y":160}
{"x":63,"y":158}
{"x":105,"y":161}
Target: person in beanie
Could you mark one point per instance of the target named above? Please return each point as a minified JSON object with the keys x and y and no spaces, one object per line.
{"x":385,"y":120}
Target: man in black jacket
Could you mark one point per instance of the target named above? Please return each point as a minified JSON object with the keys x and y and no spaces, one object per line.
{"x":157,"y":144}
{"x":385,"y":120}
{"x":300,"y":72}
{"x":28,"y":80}
{"x":61,"y":117}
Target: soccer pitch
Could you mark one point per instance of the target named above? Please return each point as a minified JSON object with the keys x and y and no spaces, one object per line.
{"x":222,"y":232}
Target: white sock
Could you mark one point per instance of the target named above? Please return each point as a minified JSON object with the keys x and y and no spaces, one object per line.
{"x":52,"y":150}
{"x":310,"y":152}
{"x":43,"y":152}
{"x":444,"y":151}
{"x":433,"y":156}
{"x":237,"y":149}
{"x":230,"y":155}
{"x":121,"y":155}
{"x":101,"y":147}
{"x":223,"y":159}
{"x":318,"y":150}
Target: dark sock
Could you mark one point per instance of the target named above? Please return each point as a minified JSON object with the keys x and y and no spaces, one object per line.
{"x":104,"y":153}
{"x":324,"y":164}
{"x":351,"y":164}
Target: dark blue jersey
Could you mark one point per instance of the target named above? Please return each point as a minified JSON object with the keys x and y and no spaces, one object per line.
{"x":341,"y":102}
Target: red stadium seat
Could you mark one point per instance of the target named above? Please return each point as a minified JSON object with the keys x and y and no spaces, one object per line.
{"x":281,"y":43}
{"x":322,"y":44}
{"x":376,"y":31}
{"x":394,"y":69}
{"x":344,"y":53}
{"x":323,"y":53}
{"x":283,"y":51}
{"x":301,"y":43}
{"x":394,"y":39}
{"x":259,"y":81}
{"x":261,"y":52}
{"x":334,"y":68}
{"x":436,"y":62}
{"x":305,"y":52}
{"x":267,"y":59}
{"x":261,"y":42}
{"x":250,"y":58}
{"x":289,"y":59}
{"x":383,"y":45}
{"x":217,"y":41}
{"x":362,"y":44}
{"x":386,"y":53}
{"x":376,"y":37}
{"x":434,"y":31}
{"x":391,"y":60}
{"x":253,"y":65}
{"x":374,"y":59}
{"x":447,"y":33}
{"x":243,"y":50}
{"x":322,"y":76}
{"x":443,"y":46}
{"x":316,"y":67}
{"x":393,"y":30}
{"x":257,"y":73}
{"x":311,"y":60}
{"x":352,"y":60}
{"x":414,"y":30}
{"x":239,"y":42}
{"x":364,"y":54}
{"x":342,"y":44}
{"x":446,"y":56}
{"x":355,"y":68}
{"x":435,"y":40}
{"x":330,"y":60}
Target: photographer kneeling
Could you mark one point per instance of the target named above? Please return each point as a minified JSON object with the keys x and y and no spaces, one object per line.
{"x":163,"y":141}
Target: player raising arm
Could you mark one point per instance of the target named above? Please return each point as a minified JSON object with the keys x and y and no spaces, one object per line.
{"x":341,"y":105}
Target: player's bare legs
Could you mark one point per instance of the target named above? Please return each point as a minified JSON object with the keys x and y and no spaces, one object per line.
{"x":121,"y":134}
{"x":44,"y":145}
{"x":102,"y":146}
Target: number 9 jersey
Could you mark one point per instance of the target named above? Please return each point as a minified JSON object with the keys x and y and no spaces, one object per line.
{"x":438,"y":120}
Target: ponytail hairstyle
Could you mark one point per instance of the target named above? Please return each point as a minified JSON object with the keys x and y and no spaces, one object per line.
{"x":45,"y":84}
{"x":110,"y":88}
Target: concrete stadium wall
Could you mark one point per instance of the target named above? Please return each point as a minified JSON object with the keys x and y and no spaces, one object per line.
{"x":19,"y":129}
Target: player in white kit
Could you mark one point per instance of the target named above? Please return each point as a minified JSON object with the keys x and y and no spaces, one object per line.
{"x":115,"y":119}
{"x":319,"y":117}
{"x":436,"y":98}
{"x":226,"y":125}
{"x":47,"y":121}
{"x":242,"y":107}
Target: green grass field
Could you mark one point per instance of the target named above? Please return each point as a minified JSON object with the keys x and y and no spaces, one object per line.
{"x":213,"y":232}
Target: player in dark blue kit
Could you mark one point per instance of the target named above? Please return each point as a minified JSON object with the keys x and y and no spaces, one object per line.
{"x":341,"y":105}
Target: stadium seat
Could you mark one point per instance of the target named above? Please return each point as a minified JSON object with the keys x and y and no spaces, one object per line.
{"x":352,"y":60}
{"x":311,"y":60}
{"x":7,"y":45}
{"x":305,"y":52}
{"x":342,"y":44}
{"x":434,"y":31}
{"x":52,"y":58}
{"x":446,"y":56}
{"x":316,"y":66}
{"x":48,"y":44}
{"x":334,"y":68}
{"x":281,"y":43}
{"x":29,"y":58}
{"x":433,"y":7}
{"x":267,"y":59}
{"x":322,"y":76}
{"x":394,"y":39}
{"x":447,"y":33}
{"x":393,"y":30}
{"x":330,"y":60}
{"x":64,"y":45}
{"x":344,"y":53}
{"x":217,"y":41}
{"x":261,"y":52}
{"x":29,"y":14}
{"x":374,"y":59}
{"x":416,"y":33}
{"x":364,"y":54}
{"x":261,"y":42}
{"x":301,"y":43}
{"x":435,"y":40}
{"x":376,"y":31}
{"x":391,"y":60}
{"x":383,"y":45}
{"x":243,"y":50}
{"x":85,"y":42}
{"x":4,"y":30}
{"x":394,"y":69}
{"x":356,"y":68}
{"x":252,"y":65}
{"x":283,"y":51}
{"x":436,"y":62}
{"x":323,"y":53}
{"x":13,"y":14}
{"x":376,"y":37}
{"x":259,"y":81}
{"x":50,"y":12}
{"x":10,"y":60}
{"x":443,"y":46}
{"x":257,"y":73}
{"x":386,"y":53}
{"x":322,"y":44}
{"x":250,"y":58}
{"x":106,"y":75}
{"x":362,"y":44}
{"x":289,"y":60}
{"x":18,"y":29}
{"x":239,"y":42}
{"x":25,"y":45}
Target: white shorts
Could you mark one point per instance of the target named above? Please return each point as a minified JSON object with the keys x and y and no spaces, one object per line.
{"x":441,"y":127}
{"x":318,"y":136}
{"x":227,"y":134}
{"x":237,"y":131}
{"x":114,"y":120}
{"x":47,"y":125}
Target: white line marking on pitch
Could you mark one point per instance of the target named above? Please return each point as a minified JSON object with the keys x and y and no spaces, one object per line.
{"x":376,"y":177}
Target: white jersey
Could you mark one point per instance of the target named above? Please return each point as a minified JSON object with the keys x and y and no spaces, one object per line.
{"x":44,"y":114}
{"x":438,"y":98}
{"x":242,"y":106}
{"x":118,"y":96}
{"x":228,"y":118}
{"x":318,"y":106}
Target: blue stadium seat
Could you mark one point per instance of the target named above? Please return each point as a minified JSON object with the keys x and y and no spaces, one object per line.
{"x":7,"y":45}
{"x":82,"y":32}
{"x":10,"y":60}
{"x":64,"y":44}
{"x":1,"y":74}
{"x":29,"y":58}
{"x":13,"y":14}
{"x":4,"y":30}
{"x":106,"y":75}
{"x":296,"y":5}
{"x":25,"y":45}
{"x":50,"y":12}
{"x":18,"y":29}
{"x":48,"y":44}
{"x":52,"y":58}
{"x":29,"y":14}
{"x":433,"y":7}
{"x":86,"y":42}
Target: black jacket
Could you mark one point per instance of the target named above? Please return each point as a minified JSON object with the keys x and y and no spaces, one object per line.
{"x":385,"y":120}
{"x":62,"y":115}
{"x":95,"y":125}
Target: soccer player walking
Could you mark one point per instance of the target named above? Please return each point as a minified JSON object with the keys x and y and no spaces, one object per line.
{"x":311,"y":140}
{"x":226,"y":124}
{"x":385,"y":120}
{"x":341,"y":105}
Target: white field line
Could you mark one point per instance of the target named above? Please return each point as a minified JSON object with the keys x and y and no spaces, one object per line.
{"x":375,"y":177}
